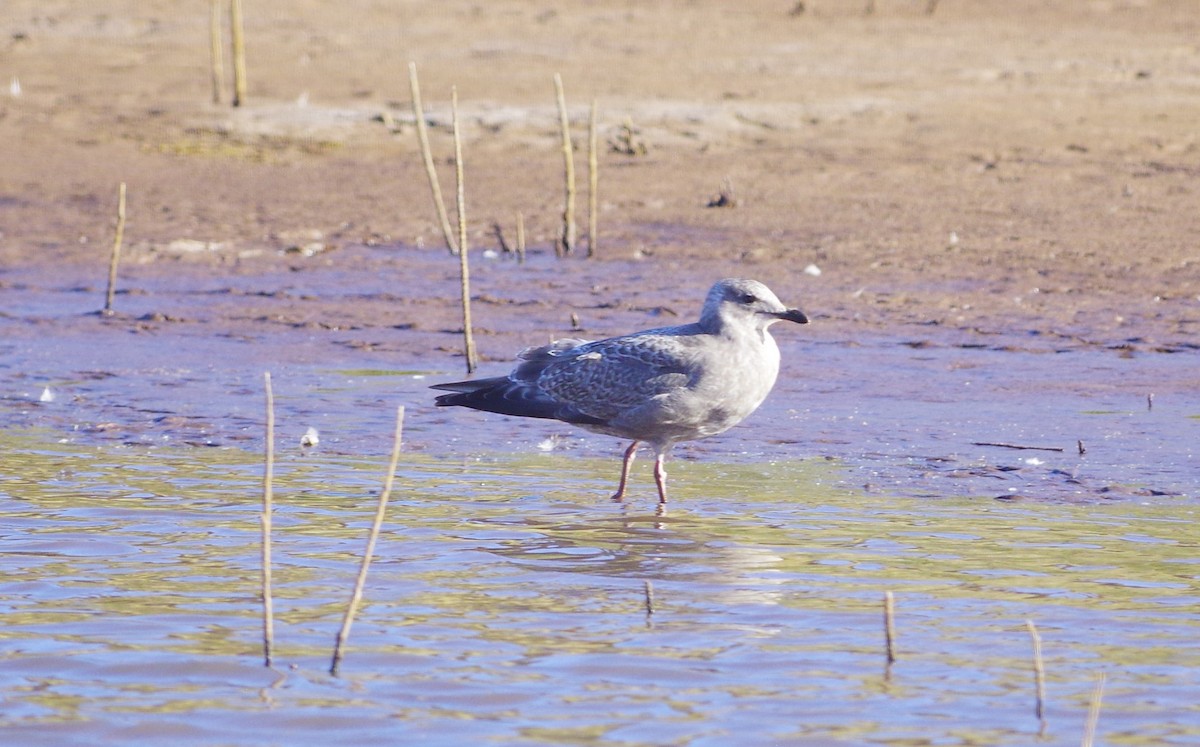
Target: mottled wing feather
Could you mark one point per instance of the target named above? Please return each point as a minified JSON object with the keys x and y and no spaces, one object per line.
{"x":535,"y":359}
{"x":607,"y":378}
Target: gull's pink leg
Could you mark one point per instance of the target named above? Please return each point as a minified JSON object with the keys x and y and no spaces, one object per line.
{"x":630,"y":453}
{"x":660,"y":478}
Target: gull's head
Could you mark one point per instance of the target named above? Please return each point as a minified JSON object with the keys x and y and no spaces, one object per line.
{"x":740,"y":301}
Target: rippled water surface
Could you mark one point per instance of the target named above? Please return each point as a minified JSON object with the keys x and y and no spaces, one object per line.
{"x":508,"y":605}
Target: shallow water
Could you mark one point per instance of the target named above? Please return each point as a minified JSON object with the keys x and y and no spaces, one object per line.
{"x":508,"y":606}
{"x":508,"y":602}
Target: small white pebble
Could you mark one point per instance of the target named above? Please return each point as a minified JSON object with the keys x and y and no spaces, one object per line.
{"x":490,"y":254}
{"x":1034,"y":461}
{"x":812,"y":270}
{"x":954,"y":238}
{"x":48,"y":395}
{"x":14,"y":87}
{"x":310,"y":438}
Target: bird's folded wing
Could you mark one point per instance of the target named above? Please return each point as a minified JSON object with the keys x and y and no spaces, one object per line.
{"x":606,"y":378}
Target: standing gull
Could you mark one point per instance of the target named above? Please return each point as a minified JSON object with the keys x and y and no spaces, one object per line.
{"x":660,"y":386}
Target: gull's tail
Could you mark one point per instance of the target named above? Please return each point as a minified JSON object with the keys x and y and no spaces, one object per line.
{"x":504,"y":396}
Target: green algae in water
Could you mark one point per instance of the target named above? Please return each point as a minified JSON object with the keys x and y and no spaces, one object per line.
{"x":507,"y":602}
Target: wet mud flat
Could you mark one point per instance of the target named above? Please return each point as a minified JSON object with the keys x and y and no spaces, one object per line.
{"x":911,"y":409}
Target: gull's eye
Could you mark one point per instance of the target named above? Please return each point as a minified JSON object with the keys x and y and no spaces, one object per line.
{"x":747,"y":298}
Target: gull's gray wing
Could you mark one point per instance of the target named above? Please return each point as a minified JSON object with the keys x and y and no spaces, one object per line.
{"x":607,"y":378}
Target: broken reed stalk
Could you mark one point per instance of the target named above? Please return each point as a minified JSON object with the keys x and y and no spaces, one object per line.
{"x":1093,"y":718}
{"x":520,"y":238}
{"x":237,"y":30}
{"x":649,"y":592}
{"x":464,"y":270}
{"x":1019,"y":447}
{"x":1039,"y":675}
{"x":372,"y":538}
{"x":889,"y":626}
{"x":427,"y":156}
{"x":593,"y":180}
{"x":268,"y":480}
{"x":567,"y":238}
{"x":498,"y":232}
{"x":115,"y":259}
{"x":214,"y":44}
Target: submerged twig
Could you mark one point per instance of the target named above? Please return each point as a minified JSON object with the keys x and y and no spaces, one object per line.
{"x":889,"y":627}
{"x":268,"y":479}
{"x":567,"y":237}
{"x":1039,"y":676}
{"x":649,"y":592}
{"x":1016,"y":446}
{"x":372,"y":537}
{"x":1093,"y":717}
{"x":464,"y":270}
{"x":115,"y":259}
{"x":427,"y":156}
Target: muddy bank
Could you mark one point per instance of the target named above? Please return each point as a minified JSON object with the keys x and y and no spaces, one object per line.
{"x":1019,"y":213}
{"x":902,"y":408}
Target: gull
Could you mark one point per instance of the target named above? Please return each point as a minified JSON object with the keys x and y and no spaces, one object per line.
{"x":659,"y":386}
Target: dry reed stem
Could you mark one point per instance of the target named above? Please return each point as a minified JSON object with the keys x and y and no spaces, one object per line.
{"x":567,"y":238}
{"x":239,"y":52}
{"x":520,"y":238}
{"x":889,"y":626}
{"x":593,"y":180}
{"x":464,"y":269}
{"x":115,"y":259}
{"x":427,"y":156}
{"x":1093,"y":718}
{"x":268,"y":479}
{"x":215,"y":51}
{"x":372,"y":537}
{"x":1039,"y":675}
